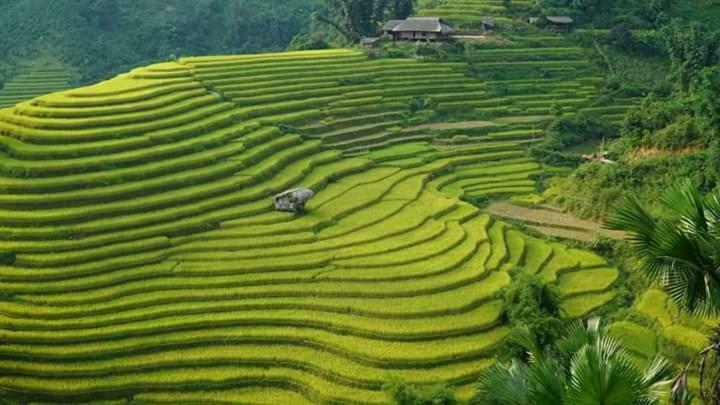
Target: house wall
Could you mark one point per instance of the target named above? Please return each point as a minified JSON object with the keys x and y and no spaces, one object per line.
{"x":414,"y":36}
{"x":558,"y":27}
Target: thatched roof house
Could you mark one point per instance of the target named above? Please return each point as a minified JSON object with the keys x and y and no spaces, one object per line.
{"x":559,"y":23}
{"x":293,"y":200}
{"x":418,"y":28}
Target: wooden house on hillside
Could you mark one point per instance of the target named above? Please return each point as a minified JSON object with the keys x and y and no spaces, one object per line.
{"x":559,"y":24}
{"x":418,"y":29}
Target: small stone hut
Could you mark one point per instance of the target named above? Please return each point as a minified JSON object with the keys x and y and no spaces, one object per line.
{"x":293,"y":200}
{"x":418,"y":29}
{"x":488,"y":23}
{"x":559,"y":24}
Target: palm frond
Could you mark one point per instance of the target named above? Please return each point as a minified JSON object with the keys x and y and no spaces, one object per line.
{"x":712,"y":213}
{"x":502,"y":385}
{"x":602,"y":373}
{"x":685,"y":200}
{"x":656,"y":380}
{"x":524,"y":337}
{"x":682,"y":253}
{"x":575,"y":338}
{"x":546,"y":382}
{"x":629,"y":215}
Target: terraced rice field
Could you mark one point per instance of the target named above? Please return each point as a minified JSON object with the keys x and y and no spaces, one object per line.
{"x":33,"y":83}
{"x":150,"y":264}
{"x":552,"y":222}
{"x":469,"y":12}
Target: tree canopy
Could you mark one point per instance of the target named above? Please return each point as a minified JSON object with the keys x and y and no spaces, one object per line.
{"x":357,"y":18}
{"x":119,"y":35}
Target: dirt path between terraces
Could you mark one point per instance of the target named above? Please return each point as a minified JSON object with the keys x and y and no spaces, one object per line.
{"x":553,"y":223}
{"x":456,"y":125}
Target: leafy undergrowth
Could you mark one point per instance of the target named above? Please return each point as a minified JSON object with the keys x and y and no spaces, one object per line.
{"x":654,"y":325}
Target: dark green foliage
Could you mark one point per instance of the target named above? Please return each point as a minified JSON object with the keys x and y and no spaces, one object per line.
{"x":565,"y":132}
{"x":478,"y":201}
{"x":664,"y":139}
{"x":400,"y":9}
{"x":532,"y":304}
{"x":691,"y":47}
{"x":551,"y":156}
{"x":710,"y":377}
{"x":595,"y":187}
{"x":356,"y":80}
{"x":687,"y":119}
{"x":607,"y":13}
{"x":419,"y":103}
{"x":586,"y":366}
{"x":620,"y":36}
{"x":357,"y":18}
{"x":680,"y":250}
{"x":402,"y":393}
{"x":305,"y":42}
{"x":7,"y":258}
{"x":576,"y":129}
{"x":119,"y":35}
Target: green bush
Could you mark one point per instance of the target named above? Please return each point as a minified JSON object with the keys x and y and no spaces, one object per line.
{"x":305,"y":42}
{"x":419,"y":103}
{"x":529,"y":302}
{"x":7,"y":258}
{"x":402,"y":393}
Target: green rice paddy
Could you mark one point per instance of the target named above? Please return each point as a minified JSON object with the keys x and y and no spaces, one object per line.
{"x":33,"y":82}
{"x":151,"y":265}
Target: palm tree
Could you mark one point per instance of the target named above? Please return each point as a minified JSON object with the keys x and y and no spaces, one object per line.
{"x":589,"y":368}
{"x":681,"y":252}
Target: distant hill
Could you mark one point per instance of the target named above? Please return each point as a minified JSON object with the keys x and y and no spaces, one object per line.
{"x":100,"y":38}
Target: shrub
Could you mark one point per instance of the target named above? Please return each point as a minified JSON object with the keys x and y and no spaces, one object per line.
{"x":683,"y":132}
{"x":621,"y":37}
{"x":350,"y":81}
{"x":7,"y":258}
{"x":478,"y":201}
{"x":402,"y":393}
{"x":553,"y":157}
{"x":530,"y":303}
{"x":306,"y":42}
{"x":419,"y":103}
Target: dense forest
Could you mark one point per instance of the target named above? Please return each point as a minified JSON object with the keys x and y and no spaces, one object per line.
{"x":100,"y":38}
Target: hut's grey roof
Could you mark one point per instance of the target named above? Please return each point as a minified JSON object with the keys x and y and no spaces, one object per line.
{"x":423,"y":24}
{"x":560,"y":19}
{"x":489,"y":21}
{"x":391,"y":24}
{"x":300,"y":193}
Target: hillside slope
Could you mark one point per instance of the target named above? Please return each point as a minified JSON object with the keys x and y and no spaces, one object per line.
{"x":149,"y":263}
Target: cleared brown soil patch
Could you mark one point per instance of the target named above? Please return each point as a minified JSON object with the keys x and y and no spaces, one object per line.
{"x":645,"y":153}
{"x":552,"y":222}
